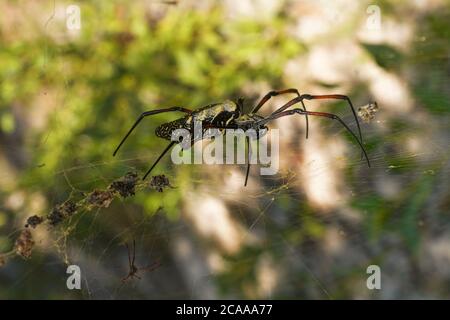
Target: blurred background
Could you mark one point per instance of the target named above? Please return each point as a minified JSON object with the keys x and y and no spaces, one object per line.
{"x":75,"y":75}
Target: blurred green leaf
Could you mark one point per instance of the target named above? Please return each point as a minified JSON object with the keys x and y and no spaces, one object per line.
{"x":386,"y":56}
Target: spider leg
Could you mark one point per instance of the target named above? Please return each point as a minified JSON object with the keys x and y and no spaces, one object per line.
{"x":279,"y":92}
{"x":249,"y":155}
{"x":159,"y":158}
{"x":247,"y":140}
{"x":149,"y":113}
{"x":319,"y":114}
{"x":338,"y":97}
{"x":321,"y":97}
{"x":271,"y":94}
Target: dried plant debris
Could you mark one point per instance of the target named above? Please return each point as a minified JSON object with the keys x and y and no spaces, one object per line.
{"x":100,"y":198}
{"x":24,"y":244}
{"x":34,"y":221}
{"x":125,"y":186}
{"x":159,"y":182}
{"x":61,"y":212}
{"x":55,"y":216}
{"x":367,"y":112}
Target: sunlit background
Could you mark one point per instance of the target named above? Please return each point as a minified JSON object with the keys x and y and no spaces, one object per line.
{"x":75,"y":75}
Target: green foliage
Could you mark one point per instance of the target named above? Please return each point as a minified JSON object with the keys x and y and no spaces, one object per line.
{"x":386,"y":56}
{"x":412,"y":211}
{"x":123,"y":63}
{"x":430,"y":55}
{"x":90,"y":87}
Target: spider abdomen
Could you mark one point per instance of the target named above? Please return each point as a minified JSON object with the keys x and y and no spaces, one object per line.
{"x":165,"y":130}
{"x":218,"y":114}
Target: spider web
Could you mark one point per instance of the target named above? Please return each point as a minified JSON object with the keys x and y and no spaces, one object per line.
{"x":95,"y":240}
{"x":286,"y":246}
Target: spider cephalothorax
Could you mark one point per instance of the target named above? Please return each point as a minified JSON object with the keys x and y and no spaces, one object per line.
{"x":230,"y":115}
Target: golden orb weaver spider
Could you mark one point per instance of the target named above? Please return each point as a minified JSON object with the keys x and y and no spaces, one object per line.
{"x":230,"y":115}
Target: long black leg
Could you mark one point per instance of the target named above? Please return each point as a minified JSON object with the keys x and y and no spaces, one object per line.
{"x":247,"y":140}
{"x":319,"y":97}
{"x":159,"y":158}
{"x":273,"y":94}
{"x":320,"y":114}
{"x":339,"y":97}
{"x":149,"y":113}
{"x":276,"y":93}
{"x":249,"y":156}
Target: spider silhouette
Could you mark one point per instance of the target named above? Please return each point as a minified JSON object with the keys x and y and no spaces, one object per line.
{"x":133,"y":270}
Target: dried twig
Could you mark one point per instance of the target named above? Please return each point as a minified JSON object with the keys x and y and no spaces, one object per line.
{"x":123,"y":187}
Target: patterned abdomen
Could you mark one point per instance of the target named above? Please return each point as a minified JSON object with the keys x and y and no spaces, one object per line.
{"x":165,"y":130}
{"x":217,"y":114}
